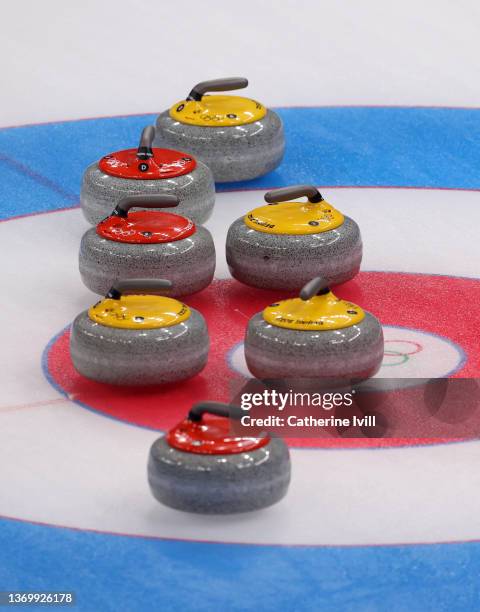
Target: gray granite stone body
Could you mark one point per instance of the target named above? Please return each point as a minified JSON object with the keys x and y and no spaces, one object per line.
{"x":352,"y":354}
{"x":233,"y":153}
{"x":101,"y":192}
{"x":219,"y":484}
{"x":139,"y":357}
{"x":188,"y":263}
{"x":287,"y":261}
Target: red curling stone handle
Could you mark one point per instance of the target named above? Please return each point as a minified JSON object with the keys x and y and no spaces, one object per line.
{"x":226,"y":410}
{"x":291,"y":193}
{"x":144,"y":201}
{"x":145,"y":150}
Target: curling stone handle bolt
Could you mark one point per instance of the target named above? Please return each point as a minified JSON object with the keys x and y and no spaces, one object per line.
{"x":227,"y":84}
{"x":286,"y":194}
{"x":226,"y":410}
{"x":137,"y":285}
{"x":144,"y":150}
{"x":144,"y":201}
{"x":317,"y":286}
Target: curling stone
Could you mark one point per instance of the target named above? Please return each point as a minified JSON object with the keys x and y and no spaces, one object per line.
{"x":282,"y":246}
{"x":147,"y":244}
{"x":202,"y":466}
{"x":147,"y":171}
{"x":140,"y":338}
{"x":238,"y":138}
{"x":316,"y":337}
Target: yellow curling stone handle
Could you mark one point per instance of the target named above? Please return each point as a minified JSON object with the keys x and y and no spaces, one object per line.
{"x":296,"y":218}
{"x":139,"y":310}
{"x":217,"y":110}
{"x":317,"y":309}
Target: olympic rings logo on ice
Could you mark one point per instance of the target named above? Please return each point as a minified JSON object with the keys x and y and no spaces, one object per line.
{"x":404,"y":355}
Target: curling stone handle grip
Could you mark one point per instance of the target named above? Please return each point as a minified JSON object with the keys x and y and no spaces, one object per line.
{"x":144,"y":150}
{"x":317,"y":286}
{"x":137,"y":285}
{"x":291,"y":193}
{"x":227,"y":84}
{"x":145,"y":201}
{"x":226,"y":410}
